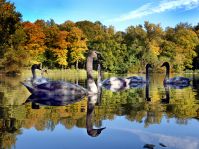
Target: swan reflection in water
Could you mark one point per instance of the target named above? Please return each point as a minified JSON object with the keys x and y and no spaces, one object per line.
{"x":51,"y":100}
{"x":66,"y":100}
{"x":93,"y":132}
{"x":167,"y":88}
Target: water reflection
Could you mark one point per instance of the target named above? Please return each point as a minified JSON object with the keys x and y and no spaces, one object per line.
{"x":167,"y":98}
{"x":150,"y":111}
{"x":54,"y":100}
{"x":90,"y":108}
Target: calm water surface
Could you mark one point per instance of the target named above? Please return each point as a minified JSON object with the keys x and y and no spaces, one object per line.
{"x":131,"y":119}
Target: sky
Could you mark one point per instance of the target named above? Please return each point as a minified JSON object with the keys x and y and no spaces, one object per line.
{"x":119,"y":13}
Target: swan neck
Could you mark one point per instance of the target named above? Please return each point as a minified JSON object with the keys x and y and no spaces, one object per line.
{"x":147,"y":91}
{"x":89,"y":67}
{"x":90,"y":109}
{"x":147,"y":74}
{"x":167,"y":93}
{"x":99,"y":77}
{"x":167,"y":72}
{"x":33,"y":73}
{"x":92,"y":87}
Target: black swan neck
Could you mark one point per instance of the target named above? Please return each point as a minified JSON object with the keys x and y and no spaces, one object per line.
{"x":147,"y":92}
{"x":167,"y":71}
{"x":33,"y":73}
{"x":147,"y":74}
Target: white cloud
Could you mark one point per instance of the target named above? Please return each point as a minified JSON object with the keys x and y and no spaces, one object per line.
{"x":164,"y":5}
{"x":183,"y":142}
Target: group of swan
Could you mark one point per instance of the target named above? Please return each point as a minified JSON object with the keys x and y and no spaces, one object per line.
{"x":43,"y":86}
{"x":60,"y":88}
{"x":119,"y":83}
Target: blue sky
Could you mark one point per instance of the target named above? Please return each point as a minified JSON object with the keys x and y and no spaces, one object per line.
{"x":119,"y":13}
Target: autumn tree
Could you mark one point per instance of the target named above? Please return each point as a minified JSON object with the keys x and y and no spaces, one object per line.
{"x":56,"y":45}
{"x":16,"y":56}
{"x":12,"y":39}
{"x":35,"y":43}
{"x":9,"y":22}
{"x":77,"y":42}
{"x":78,"y":45}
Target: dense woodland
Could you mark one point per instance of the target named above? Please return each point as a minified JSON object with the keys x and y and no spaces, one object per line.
{"x":66,"y":45}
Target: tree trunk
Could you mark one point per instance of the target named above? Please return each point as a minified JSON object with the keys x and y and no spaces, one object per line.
{"x":77,"y":65}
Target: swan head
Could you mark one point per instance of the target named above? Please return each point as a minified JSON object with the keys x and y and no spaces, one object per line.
{"x":44,"y":71}
{"x":95,"y":132}
{"x":165,"y":64}
{"x":36,"y":66}
{"x":94,"y":54}
{"x":148,"y":66}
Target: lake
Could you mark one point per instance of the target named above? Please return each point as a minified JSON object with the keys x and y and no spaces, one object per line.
{"x":136,"y":118}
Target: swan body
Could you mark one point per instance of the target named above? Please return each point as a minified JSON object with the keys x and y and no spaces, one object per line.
{"x":56,"y":88}
{"x":60,"y":88}
{"x":182,"y":81}
{"x":177,"y":80}
{"x":114,"y":81}
{"x":137,"y":79}
{"x":115,"y":84}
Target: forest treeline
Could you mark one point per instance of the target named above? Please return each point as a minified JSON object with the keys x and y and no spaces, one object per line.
{"x":66,"y":45}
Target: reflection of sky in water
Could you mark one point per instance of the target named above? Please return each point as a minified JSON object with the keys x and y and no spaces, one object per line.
{"x":119,"y":133}
{"x":169,"y":133}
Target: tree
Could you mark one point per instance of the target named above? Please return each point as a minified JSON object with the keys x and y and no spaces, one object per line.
{"x":77,"y":45}
{"x":184,"y":41}
{"x":35,"y":43}
{"x":10,"y":21}
{"x":16,"y":56}
{"x":57,"y":44}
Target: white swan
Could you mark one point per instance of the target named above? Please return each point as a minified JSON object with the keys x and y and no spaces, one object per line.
{"x":114,"y":84}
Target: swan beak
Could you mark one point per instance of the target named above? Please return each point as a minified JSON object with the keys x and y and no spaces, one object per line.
{"x":44,"y":71}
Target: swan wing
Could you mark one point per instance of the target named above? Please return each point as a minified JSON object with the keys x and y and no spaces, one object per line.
{"x":61,"y":88}
{"x":114,"y":81}
{"x":180,"y":80}
{"x":177,"y":86}
{"x":136,"y":79}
